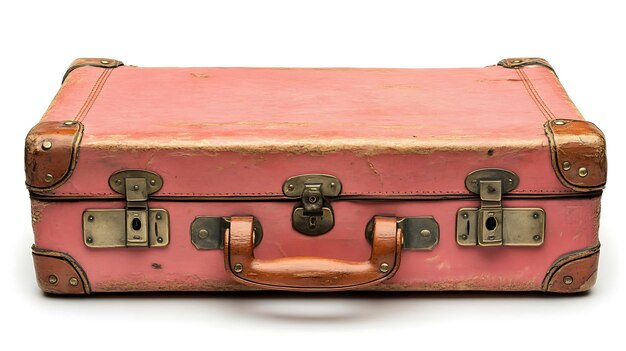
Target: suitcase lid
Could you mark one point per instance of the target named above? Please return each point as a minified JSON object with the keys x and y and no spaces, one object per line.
{"x":242,"y":132}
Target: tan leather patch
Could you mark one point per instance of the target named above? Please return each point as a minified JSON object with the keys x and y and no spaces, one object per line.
{"x":578,"y":153}
{"x":51,"y":150}
{"x":574,"y":272}
{"x":58,"y":273}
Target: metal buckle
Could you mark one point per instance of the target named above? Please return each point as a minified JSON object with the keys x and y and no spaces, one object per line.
{"x":492,"y":224}
{"x":136,"y":225}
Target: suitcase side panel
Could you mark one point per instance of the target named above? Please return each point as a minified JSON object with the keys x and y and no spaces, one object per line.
{"x":571,"y":225}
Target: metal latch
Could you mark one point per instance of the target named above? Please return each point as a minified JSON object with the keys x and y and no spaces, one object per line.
{"x":134,"y":226}
{"x":313,"y":216}
{"x":418,"y":233}
{"x":492,"y":224}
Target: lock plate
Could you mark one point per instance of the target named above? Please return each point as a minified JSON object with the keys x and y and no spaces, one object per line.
{"x":313,"y":215}
{"x":106,"y":228}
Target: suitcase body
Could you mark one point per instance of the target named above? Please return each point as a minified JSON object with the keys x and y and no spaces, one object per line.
{"x":200,"y":179}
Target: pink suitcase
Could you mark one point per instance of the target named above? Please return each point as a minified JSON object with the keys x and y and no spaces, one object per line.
{"x":198,"y":179}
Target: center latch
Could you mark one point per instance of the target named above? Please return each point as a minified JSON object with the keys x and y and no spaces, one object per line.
{"x":313,"y":215}
{"x":495,"y":225}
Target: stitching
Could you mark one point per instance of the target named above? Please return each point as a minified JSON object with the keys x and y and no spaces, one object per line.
{"x":536,"y":93}
{"x":532,"y":96}
{"x":93,"y":95}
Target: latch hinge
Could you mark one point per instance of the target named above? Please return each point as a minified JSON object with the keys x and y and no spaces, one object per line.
{"x":313,"y":215}
{"x":137,"y":225}
{"x":492,"y":224}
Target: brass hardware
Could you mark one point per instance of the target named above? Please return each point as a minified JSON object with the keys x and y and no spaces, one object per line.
{"x":73,"y":281}
{"x":48,"y":178}
{"x":568,"y":280}
{"x":384,"y":267}
{"x":105,"y":62}
{"x":207,"y":233}
{"x":238,"y":268}
{"x":582,"y":171}
{"x":559,"y":122}
{"x":418,"y":233}
{"x":136,"y":225}
{"x":69,"y":123}
{"x":566,"y":166}
{"x":46,"y":145}
{"x":52,"y":279}
{"x":493,"y":225}
{"x":313,"y":216}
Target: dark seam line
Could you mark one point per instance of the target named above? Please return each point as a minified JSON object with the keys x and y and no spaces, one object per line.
{"x":89,"y":98}
{"x":523,"y":79}
{"x":538,"y":97}
{"x":105,"y":77}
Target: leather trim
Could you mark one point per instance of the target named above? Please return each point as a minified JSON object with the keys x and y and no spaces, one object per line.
{"x":518,"y":62}
{"x":94,"y":62}
{"x":50,"y":153}
{"x":578,"y":151}
{"x":64,"y":271}
{"x":573,"y":272}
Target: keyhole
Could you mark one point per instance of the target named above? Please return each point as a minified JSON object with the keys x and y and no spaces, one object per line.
{"x":312,"y":222}
{"x":491,"y":223}
{"x":136,"y":224}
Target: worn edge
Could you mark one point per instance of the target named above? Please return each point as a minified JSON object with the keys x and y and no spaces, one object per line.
{"x":566,"y":259}
{"x":78,"y":137}
{"x":556,"y":165}
{"x":517,"y":62}
{"x":69,"y":259}
{"x":93,"y":62}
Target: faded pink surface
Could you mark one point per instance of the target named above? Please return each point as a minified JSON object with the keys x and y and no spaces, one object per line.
{"x":223,"y":131}
{"x":239,"y":131}
{"x":571,"y":225}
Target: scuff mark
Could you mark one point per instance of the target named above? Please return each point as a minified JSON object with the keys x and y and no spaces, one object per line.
{"x":371,"y":166}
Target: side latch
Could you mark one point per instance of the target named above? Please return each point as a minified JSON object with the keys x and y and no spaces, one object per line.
{"x":137,"y":225}
{"x":313,"y":215}
{"x":495,"y":225}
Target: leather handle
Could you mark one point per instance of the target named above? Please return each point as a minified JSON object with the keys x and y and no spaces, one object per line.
{"x":311,"y":273}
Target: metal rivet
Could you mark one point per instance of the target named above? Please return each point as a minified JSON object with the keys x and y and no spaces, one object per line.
{"x":582,"y":171}
{"x":313,"y":199}
{"x":535,"y":215}
{"x":90,"y":218}
{"x":333,"y":185}
{"x":491,"y":237}
{"x":152,"y":182}
{"x":159,"y":240}
{"x":465,"y":215}
{"x":118,"y":181}
{"x":158,"y":216}
{"x":464,"y":237}
{"x":46,"y":145}
{"x":559,"y":122}
{"x":73,"y":281}
{"x":384,"y":267}
{"x":290,"y":187}
{"x":105,"y":62}
{"x":517,"y":61}
{"x":89,"y":239}
{"x":537,"y":237}
{"x":69,"y":123}
{"x":425,"y":233}
{"x":566,"y":166}
{"x":52,"y":279}
{"x":136,"y":187}
{"x":510,"y":180}
{"x":568,"y":280}
{"x":48,"y":178}
{"x":203,"y":234}
{"x":238,"y":268}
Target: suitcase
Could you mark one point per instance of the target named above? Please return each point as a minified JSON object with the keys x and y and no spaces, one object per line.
{"x":314,"y":179}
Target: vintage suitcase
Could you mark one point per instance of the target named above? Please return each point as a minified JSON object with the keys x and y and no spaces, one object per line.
{"x":199,"y":179}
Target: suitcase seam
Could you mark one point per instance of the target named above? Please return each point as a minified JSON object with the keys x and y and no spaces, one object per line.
{"x":534,"y":94}
{"x":93,"y":95}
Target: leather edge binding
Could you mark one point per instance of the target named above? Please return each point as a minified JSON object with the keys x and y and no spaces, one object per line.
{"x":573,"y":272}
{"x":93,"y":62}
{"x":518,"y":62}
{"x":56,"y":285}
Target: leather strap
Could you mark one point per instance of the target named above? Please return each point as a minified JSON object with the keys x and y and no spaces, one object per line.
{"x":311,"y":273}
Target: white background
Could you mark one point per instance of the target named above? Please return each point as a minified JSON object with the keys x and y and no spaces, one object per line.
{"x":584,"y":41}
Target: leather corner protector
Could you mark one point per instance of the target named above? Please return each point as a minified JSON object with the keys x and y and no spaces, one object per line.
{"x":50,"y":153}
{"x":517,"y":62}
{"x":578,"y":151}
{"x":573,"y":272}
{"x":59,"y":273}
{"x":94,"y":62}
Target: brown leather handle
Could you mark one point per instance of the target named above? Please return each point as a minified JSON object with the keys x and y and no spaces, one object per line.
{"x":311,"y":273}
